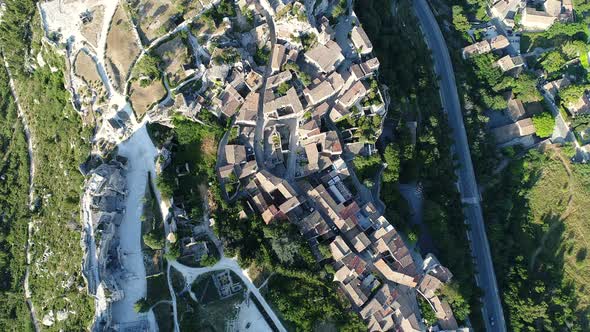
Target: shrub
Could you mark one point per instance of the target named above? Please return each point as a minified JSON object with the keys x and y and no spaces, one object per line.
{"x":544,"y":124}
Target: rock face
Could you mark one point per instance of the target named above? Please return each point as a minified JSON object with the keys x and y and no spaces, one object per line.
{"x":48,"y":319}
{"x":62,"y":315}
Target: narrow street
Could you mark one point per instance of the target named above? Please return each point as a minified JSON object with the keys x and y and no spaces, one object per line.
{"x":260,"y":121}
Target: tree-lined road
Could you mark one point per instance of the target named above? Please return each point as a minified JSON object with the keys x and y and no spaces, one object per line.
{"x":486,"y":278}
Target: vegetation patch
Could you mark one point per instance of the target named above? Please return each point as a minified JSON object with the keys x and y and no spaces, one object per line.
{"x":14,"y":185}
{"x":176,"y":57}
{"x":61,"y":144}
{"x":164,"y":316}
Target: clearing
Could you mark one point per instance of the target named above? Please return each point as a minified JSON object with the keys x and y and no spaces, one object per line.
{"x":122,"y":49}
{"x":155,"y":18}
{"x":567,"y":204}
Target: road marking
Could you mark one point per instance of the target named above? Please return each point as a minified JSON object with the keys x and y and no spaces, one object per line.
{"x":470,"y":200}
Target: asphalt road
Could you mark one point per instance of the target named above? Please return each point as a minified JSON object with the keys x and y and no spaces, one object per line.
{"x":486,"y":278}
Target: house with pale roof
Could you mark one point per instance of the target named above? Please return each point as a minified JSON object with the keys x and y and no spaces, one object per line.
{"x":325,"y":57}
{"x":515,"y":110}
{"x":510,"y":133}
{"x":360,"y":40}
{"x":323,"y":88}
{"x":357,"y":92}
{"x":505,"y":10}
{"x":253,"y":80}
{"x":246,"y":169}
{"x":481,"y":47}
{"x":229,"y":101}
{"x":235,"y":154}
{"x":508,"y":62}
{"x":278,"y":79}
{"x":356,"y":293}
{"x":499,"y":42}
{"x":536,"y":20}
{"x":485,"y":46}
{"x":285,"y":106}
{"x":249,"y":110}
{"x":313,"y":225}
{"x":393,"y":276}
{"x":278,"y":57}
{"x":339,"y":248}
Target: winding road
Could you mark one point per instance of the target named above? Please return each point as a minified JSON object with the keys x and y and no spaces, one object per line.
{"x":470,"y":197}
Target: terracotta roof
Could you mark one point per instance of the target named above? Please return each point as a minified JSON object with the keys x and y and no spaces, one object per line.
{"x":394,"y":276}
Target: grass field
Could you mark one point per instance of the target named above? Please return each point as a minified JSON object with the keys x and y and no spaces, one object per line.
{"x":562,"y":196}
{"x":538,"y":226}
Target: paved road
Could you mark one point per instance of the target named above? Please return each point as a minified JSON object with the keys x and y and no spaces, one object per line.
{"x":492,"y":306}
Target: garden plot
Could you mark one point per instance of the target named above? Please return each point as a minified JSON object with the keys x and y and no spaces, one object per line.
{"x":122,"y":48}
{"x":142,"y":98}
{"x":91,"y":30}
{"x":85,"y":68}
{"x":175,"y":56}
{"x":91,"y":90}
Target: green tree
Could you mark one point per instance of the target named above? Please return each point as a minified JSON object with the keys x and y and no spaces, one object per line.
{"x":460,"y":20}
{"x":154,"y":239}
{"x":391,"y":157}
{"x":141,"y":305}
{"x":544,"y":124}
{"x":209,"y":260}
{"x":283,"y":88}
{"x":460,"y":306}
{"x":147,"y":67}
{"x":553,"y":61}
{"x":572,"y":93}
{"x":426,"y":310}
{"x":524,"y":87}
{"x":486,"y":70}
{"x":573,"y":49}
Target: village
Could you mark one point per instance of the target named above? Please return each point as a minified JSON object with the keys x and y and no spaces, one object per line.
{"x":286,"y":154}
{"x":293,"y":88}
{"x":504,"y":37}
